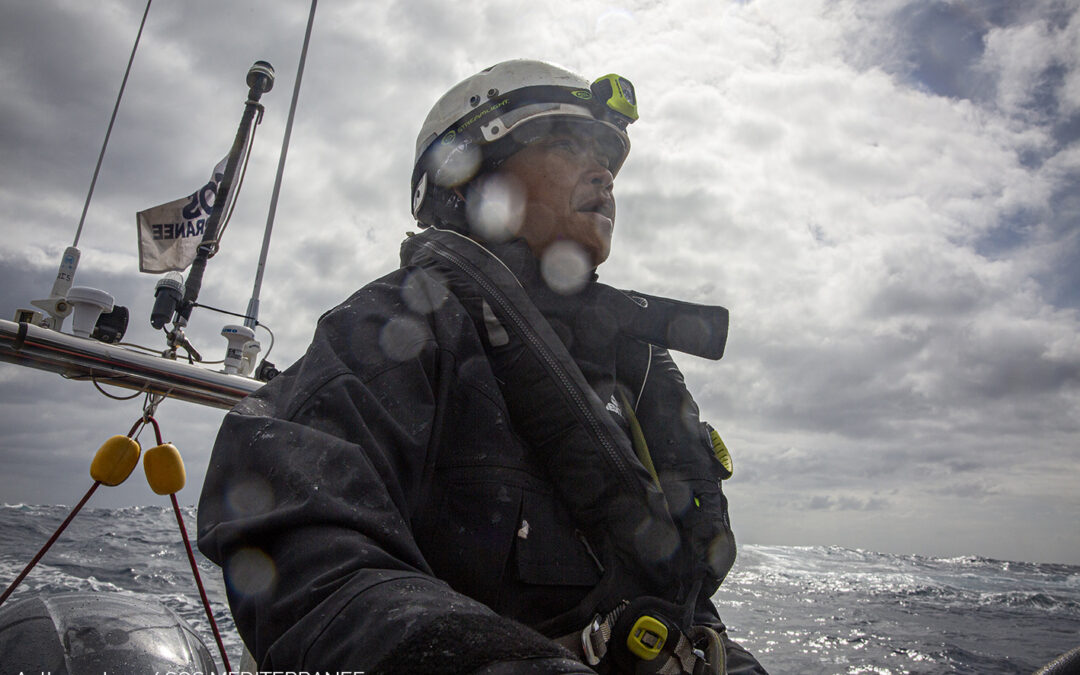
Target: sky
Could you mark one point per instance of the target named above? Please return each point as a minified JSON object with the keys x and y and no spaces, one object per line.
{"x":884,"y":195}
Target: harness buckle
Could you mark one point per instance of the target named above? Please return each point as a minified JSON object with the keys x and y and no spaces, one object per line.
{"x":594,"y":628}
{"x":647,"y":639}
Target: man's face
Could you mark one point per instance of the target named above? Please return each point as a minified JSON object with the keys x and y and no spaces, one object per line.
{"x":567,"y":190}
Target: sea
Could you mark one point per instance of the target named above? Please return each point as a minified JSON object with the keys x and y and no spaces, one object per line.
{"x":799,"y":609}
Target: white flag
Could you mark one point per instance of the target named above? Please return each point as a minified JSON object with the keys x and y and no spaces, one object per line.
{"x":170,"y":234}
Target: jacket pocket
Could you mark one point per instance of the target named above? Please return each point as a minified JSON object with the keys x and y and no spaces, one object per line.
{"x":548,"y":548}
{"x":472,"y":537}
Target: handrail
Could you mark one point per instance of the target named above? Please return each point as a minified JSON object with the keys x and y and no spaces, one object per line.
{"x":81,"y":358}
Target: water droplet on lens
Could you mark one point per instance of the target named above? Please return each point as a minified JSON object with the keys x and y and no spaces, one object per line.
{"x":494,"y":207}
{"x":250,"y":571}
{"x":402,"y":338}
{"x":565,"y":267}
{"x":423,"y":293}
{"x":452,"y":165}
{"x":249,"y":496}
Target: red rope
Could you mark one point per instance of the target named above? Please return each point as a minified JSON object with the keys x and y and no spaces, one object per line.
{"x":48,"y":544}
{"x":142,"y":422}
{"x":183,"y":532}
{"x":157,"y":429}
{"x":199,"y":583}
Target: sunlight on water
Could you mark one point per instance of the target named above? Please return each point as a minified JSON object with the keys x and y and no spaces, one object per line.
{"x":799,"y":609}
{"x":853,"y":611}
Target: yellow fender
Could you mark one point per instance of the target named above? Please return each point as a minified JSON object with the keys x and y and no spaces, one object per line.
{"x":115,"y":460}
{"x":164,"y":469}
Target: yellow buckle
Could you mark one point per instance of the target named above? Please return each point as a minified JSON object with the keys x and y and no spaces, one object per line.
{"x":647,"y":638}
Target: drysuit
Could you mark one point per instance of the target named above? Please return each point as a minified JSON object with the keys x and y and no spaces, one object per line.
{"x":381,"y":506}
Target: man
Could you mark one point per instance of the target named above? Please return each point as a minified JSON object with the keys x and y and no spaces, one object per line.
{"x":486,"y":461}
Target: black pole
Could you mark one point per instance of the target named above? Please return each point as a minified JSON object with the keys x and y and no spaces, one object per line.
{"x":260,"y":79}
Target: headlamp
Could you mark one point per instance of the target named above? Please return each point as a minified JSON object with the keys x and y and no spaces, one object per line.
{"x":617,"y":93}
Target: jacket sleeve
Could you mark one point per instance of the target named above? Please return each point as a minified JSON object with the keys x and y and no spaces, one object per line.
{"x":308,"y":505}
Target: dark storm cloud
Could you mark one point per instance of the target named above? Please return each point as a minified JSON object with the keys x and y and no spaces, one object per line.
{"x":49,"y":93}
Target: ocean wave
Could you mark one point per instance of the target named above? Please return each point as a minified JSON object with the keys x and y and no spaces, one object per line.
{"x":1030,"y":599}
{"x":800,"y":608}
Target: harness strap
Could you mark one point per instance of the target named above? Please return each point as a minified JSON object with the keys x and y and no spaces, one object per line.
{"x":592,"y":644}
{"x":595,"y":636}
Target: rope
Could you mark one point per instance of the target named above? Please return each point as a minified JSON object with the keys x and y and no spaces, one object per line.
{"x":149,"y":407}
{"x":48,"y":544}
{"x":71,"y":516}
{"x":148,"y":417}
{"x":97,"y":385}
{"x":199,"y":583}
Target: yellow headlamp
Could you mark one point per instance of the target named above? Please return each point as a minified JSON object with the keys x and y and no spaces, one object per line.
{"x":617,"y":93}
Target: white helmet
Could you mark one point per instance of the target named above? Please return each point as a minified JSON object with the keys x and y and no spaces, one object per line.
{"x":482,"y":120}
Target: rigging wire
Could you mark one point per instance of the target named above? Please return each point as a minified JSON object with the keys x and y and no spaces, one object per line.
{"x":271,"y":347}
{"x":246,"y":317}
{"x":97,"y":386}
{"x":108,"y":132}
{"x":253,"y":304}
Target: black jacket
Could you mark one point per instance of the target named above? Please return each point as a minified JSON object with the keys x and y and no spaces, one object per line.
{"x":373,"y":507}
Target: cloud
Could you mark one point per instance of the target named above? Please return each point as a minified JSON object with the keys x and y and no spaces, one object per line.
{"x":843,"y":503}
{"x":882,"y":194}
